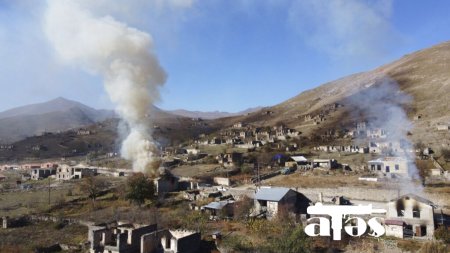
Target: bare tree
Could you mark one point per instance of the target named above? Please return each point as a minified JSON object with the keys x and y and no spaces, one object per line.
{"x":242,"y":208}
{"x":93,"y":186}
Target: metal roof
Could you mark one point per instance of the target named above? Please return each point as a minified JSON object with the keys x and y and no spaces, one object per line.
{"x":218,"y":205}
{"x":271,"y":194}
{"x":388,"y":159}
{"x":299,"y":158}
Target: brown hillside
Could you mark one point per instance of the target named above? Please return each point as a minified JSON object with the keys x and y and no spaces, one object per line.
{"x":423,"y":75}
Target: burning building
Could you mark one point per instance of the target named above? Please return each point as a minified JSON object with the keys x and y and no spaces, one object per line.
{"x":410,"y":216}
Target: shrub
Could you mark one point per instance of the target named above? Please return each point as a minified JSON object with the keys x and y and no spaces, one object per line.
{"x":443,"y":234}
{"x":139,"y":189}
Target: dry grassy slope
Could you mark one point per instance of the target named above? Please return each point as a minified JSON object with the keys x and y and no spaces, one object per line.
{"x":171,"y":130}
{"x":425,"y":75}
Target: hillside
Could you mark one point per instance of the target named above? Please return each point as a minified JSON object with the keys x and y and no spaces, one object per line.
{"x":423,"y":75}
{"x":212,"y":115}
{"x":101,"y":138}
{"x":56,"y":115}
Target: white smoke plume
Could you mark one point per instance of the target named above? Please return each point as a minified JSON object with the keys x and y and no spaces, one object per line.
{"x":122,"y":56}
{"x":382,"y":106}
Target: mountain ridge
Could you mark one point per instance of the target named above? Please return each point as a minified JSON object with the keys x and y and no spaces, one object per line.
{"x":423,"y":75}
{"x":212,"y":114}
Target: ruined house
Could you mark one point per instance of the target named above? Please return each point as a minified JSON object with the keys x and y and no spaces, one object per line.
{"x":181,"y":241}
{"x":65,"y":172}
{"x":219,"y":209}
{"x":166,"y":183}
{"x":222,"y":181}
{"x":118,"y":238}
{"x":295,"y":161}
{"x":41,"y":173}
{"x":216,"y":141}
{"x":238,"y":125}
{"x":325,"y":163}
{"x":389,"y":165}
{"x":6,"y":147}
{"x":376,"y":133}
{"x":229,"y":159}
{"x":84,"y":132}
{"x":134,"y":238}
{"x":443,"y":127}
{"x":410,"y":216}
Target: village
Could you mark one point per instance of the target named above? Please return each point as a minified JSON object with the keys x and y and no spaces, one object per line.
{"x":241,"y":175}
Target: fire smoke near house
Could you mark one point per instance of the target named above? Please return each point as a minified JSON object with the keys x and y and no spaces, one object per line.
{"x":381,"y":105}
{"x":122,"y":56}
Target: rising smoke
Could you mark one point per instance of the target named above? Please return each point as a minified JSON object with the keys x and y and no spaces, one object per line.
{"x":382,"y":105}
{"x":122,"y":56}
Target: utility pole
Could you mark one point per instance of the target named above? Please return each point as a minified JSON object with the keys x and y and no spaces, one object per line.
{"x":49,"y":190}
{"x":259,"y":175}
{"x":256,"y":169}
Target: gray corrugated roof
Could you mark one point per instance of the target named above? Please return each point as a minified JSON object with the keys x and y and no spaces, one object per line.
{"x":218,"y":205}
{"x":299,"y":158}
{"x":271,"y":194}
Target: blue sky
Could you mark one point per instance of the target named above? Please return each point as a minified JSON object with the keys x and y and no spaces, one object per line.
{"x":224,"y":55}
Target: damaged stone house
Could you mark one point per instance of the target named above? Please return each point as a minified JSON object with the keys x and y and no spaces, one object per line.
{"x":65,"y":172}
{"x":385,"y":147}
{"x":410,"y":216}
{"x":41,"y":173}
{"x":133,"y":238}
{"x":219,"y":209}
{"x":325,"y":163}
{"x":230,"y":159}
{"x":118,"y":238}
{"x":166,"y":183}
{"x":389,"y":165}
{"x":296,"y":161}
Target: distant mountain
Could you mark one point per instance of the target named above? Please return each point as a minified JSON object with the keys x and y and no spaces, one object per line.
{"x":212,"y":115}
{"x":56,"y":115}
{"x":56,"y":105}
{"x":60,"y":114}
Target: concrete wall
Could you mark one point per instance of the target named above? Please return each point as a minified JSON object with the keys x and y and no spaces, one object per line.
{"x":151,"y":242}
{"x":394,"y":230}
{"x":163,"y":185}
{"x":361,"y":193}
{"x":222,"y":181}
{"x":189,"y":244}
{"x":389,"y":166}
{"x":272,"y":209}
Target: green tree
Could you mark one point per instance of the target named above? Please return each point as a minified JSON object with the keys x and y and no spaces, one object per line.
{"x":139,"y":189}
